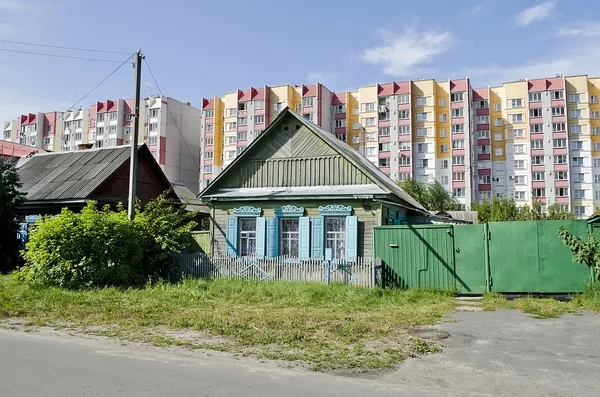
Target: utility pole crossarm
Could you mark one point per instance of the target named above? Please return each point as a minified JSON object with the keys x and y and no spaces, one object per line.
{"x":136,"y":132}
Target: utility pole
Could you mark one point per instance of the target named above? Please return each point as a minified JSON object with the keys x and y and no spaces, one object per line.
{"x":136,"y":132}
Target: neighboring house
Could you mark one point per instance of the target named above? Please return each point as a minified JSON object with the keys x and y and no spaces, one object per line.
{"x":13,"y":151}
{"x":297,"y":190}
{"x":52,"y":181}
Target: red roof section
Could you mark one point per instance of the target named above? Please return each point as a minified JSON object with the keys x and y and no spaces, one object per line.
{"x":480,"y":94}
{"x":10,"y":149}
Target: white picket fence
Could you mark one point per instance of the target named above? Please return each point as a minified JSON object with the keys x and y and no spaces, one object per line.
{"x":199,"y":265}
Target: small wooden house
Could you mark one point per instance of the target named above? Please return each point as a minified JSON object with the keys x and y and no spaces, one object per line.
{"x":297,"y":190}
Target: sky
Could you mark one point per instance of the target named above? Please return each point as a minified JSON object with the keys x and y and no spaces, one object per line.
{"x":200,"y":49}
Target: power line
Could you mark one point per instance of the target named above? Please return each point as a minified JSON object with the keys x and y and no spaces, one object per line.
{"x":63,"y":48}
{"x":171,"y":113}
{"x":60,"y":56}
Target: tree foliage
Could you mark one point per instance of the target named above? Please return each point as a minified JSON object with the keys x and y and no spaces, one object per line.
{"x":96,"y":248}
{"x":584,"y":251}
{"x":432,"y":196}
{"x":10,"y":199}
{"x":503,"y":210}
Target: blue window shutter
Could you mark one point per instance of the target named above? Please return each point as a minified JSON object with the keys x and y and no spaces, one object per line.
{"x":272,"y":237}
{"x":260,"y":237}
{"x":304,"y":243}
{"x":351,"y":238}
{"x":231,"y":236}
{"x":318,"y":237}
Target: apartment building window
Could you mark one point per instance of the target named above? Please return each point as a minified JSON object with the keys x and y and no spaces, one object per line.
{"x":576,"y":129}
{"x":356,"y":140}
{"x":577,"y":161}
{"x":576,"y":145}
{"x":594,"y":99}
{"x":538,"y":192}
{"x":497,"y":122}
{"x":558,"y":94}
{"x":404,"y":129}
{"x":46,"y":141}
{"x":308,"y":116}
{"x":276,"y":106}
{"x":404,"y":114}
{"x":518,"y":133}
{"x":559,"y":143}
{"x":422,"y":147}
{"x":575,"y":113}
{"x":422,"y":116}
{"x":578,"y":177}
{"x":6,"y":135}
{"x":558,"y":127}
{"x":483,"y":104}
{"x":578,"y":210}
{"x":596,"y":162}
{"x":561,"y":175}
{"x":422,"y":101}
{"x":423,"y":163}
{"x":112,"y":115}
{"x":596,"y":146}
{"x":485,"y":196}
{"x":497,"y":107}
{"x":240,"y":149}
{"x":574,"y":98}
{"x":384,"y":116}
{"x":596,"y":194}
{"x":384,"y":147}
{"x":443,"y":133}
{"x":153,"y":140}
{"x":340,"y":123}
{"x":444,"y":148}
{"x":443,"y":117}
{"x":560,"y":159}
{"x":422,"y":132}
{"x":113,"y":129}
{"x":558,"y":111}
{"x":368,"y":107}
{"x":457,"y":112}
{"x":537,"y":160}
{"x":597,"y":178}
{"x":404,"y":161}
{"x":242,"y":106}
{"x":536,"y":128}
{"x":368,"y":121}
{"x":458,"y":192}
{"x":482,"y":119}
{"x":484,"y":134}
{"x":443,"y":102}
{"x":100,"y":117}
{"x":457,"y":97}
{"x":231,"y":140}
{"x":517,"y":118}
{"x":370,"y":136}
{"x":100,"y":131}
{"x":458,"y":128}
{"x":207,"y":127}
{"x":404,"y":145}
{"x":520,"y":196}
{"x":209,"y":113}
{"x":535,"y":97}
{"x":370,"y":151}
{"x":497,"y":137}
{"x":241,"y":136}
{"x":595,"y":114}
{"x":561,"y":191}
{"x":458,"y":176}
{"x":443,"y":164}
{"x":520,"y":180}
{"x":153,"y":113}
{"x":384,"y":162}
{"x":339,"y":109}
{"x":260,"y":119}
{"x":458,"y":144}
{"x":208,"y":169}
{"x":384,"y":131}
{"x":519,"y":149}
{"x":516,"y":102}
{"x":48,"y":128}
{"x":403,"y":98}
{"x":231,"y":126}
{"x":308,"y":101}
{"x":519,"y":164}
{"x":242,"y":121}
{"x":458,"y":160}
{"x":535,"y":112}
{"x":209,"y":141}
{"x":151,"y":127}
{"x":230,"y":154}
{"x":403,"y":176}
{"x":537,"y":144}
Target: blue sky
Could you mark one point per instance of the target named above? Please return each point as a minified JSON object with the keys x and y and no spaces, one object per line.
{"x":205,"y":48}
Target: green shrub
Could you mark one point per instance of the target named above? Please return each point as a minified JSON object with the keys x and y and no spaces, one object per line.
{"x":96,"y":248}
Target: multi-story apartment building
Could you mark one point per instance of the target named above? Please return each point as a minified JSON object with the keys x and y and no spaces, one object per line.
{"x":528,"y":140}
{"x":169,"y":127}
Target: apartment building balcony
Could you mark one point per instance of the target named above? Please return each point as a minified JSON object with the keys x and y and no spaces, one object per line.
{"x":537,"y":152}
{"x":535,"y":105}
{"x":404,"y":138}
{"x":153,"y":120}
{"x":458,"y":168}
{"x":561,"y":183}
{"x":242,"y":128}
{"x":404,"y":106}
{"x":538,"y":184}
{"x":536,"y":136}
{"x":484,"y":171}
{"x":483,"y":127}
{"x":340,"y":130}
{"x":259,"y":112}
{"x":558,"y":167}
{"x":404,"y":121}
{"x":559,"y":135}
{"x":563,"y":200}
{"x":557,"y":103}
{"x":559,"y":119}
{"x":259,"y":126}
{"x":459,"y":184}
{"x":483,"y":142}
{"x":561,"y":150}
{"x":457,"y":105}
{"x":386,"y":170}
{"x":458,"y":152}
{"x":541,"y":200}
{"x":405,"y":169}
{"x":538,"y":167}
{"x":385,"y":138}
{"x":208,"y":162}
{"x":458,"y":137}
{"x":485,"y":187}
{"x":308,"y":109}
{"x":384,"y":155}
{"x":482,"y":112}
{"x":209,"y":134}
{"x":484,"y":156}
{"x":340,"y":116}
{"x":242,"y":113}
{"x":384,"y":123}
{"x":405,"y":153}
{"x":536,"y":120}
{"x":457,"y":120}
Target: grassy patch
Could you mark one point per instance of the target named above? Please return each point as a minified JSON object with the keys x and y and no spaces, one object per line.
{"x":335,"y":327}
{"x":590,"y":299}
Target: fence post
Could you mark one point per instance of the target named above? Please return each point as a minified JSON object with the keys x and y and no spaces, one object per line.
{"x":486,"y":251}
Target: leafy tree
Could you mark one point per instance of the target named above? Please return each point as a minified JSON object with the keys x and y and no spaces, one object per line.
{"x":10,"y":199}
{"x":584,"y":251}
{"x":96,"y":248}
{"x":555,"y":213}
{"x":504,"y":210}
{"x":432,"y":196}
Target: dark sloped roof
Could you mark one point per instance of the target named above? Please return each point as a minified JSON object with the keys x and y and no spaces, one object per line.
{"x":69,"y":175}
{"x":354,"y":157}
{"x":185,"y":195}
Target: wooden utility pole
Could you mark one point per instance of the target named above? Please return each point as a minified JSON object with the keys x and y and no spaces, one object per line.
{"x":136,"y":133}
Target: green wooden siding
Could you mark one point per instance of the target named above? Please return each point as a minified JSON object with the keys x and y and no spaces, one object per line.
{"x":367,"y":219}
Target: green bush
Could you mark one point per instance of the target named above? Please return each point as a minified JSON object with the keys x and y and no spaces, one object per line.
{"x":97,"y":248}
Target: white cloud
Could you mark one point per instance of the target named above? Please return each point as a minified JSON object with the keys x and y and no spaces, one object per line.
{"x":534,"y":14}
{"x":575,"y":60}
{"x":408,"y":49}
{"x":321,"y":77}
{"x":476,"y":10}
{"x":582,"y":29}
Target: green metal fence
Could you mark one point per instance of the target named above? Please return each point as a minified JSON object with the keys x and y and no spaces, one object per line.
{"x":507,"y":257}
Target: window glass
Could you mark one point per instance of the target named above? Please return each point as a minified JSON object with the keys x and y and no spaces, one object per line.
{"x":247,"y":234}
{"x":336,"y":236}
{"x":289,"y":236}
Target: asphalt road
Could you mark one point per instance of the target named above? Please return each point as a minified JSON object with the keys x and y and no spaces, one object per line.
{"x":502,"y":353}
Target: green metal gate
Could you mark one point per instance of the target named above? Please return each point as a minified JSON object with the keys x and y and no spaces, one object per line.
{"x":471,"y":259}
{"x":416,"y":256}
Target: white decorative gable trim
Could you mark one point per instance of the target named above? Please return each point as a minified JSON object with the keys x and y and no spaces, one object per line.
{"x":335,"y":210}
{"x":248,"y":211}
{"x":289,"y":211}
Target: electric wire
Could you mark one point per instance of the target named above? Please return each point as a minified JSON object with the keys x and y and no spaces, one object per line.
{"x":60,"y":56}
{"x":63,"y":48}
